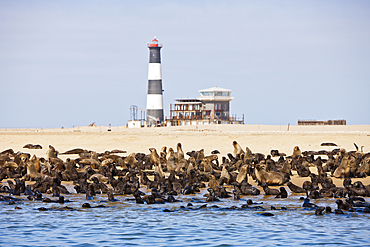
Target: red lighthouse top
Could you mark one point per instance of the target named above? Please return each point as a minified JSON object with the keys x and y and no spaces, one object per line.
{"x":154,"y":43}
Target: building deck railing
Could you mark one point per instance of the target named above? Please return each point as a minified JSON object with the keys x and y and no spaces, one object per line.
{"x":230,"y":119}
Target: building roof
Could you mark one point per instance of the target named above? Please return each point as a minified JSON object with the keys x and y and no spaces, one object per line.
{"x":215,"y":89}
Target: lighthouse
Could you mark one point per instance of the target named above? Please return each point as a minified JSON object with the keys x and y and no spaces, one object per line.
{"x":154,"y":100}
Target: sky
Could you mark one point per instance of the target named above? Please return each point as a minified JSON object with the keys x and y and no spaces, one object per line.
{"x":71,"y":63}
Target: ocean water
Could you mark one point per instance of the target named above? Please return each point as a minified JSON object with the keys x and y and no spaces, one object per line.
{"x":125,"y":223}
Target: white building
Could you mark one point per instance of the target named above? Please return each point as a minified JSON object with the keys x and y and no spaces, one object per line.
{"x":211,"y":107}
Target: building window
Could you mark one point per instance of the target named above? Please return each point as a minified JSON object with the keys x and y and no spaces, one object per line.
{"x":207,"y":93}
{"x":222,"y":93}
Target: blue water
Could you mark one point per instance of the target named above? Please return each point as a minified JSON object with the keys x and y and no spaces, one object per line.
{"x":125,"y":223}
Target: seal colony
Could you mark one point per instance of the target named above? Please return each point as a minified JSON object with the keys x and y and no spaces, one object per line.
{"x":168,"y":174}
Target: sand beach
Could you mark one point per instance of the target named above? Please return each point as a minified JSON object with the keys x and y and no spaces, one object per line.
{"x":259,"y":138}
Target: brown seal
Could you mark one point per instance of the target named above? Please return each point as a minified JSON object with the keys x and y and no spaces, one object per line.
{"x":237,"y":149}
{"x":31,"y":171}
{"x":171,"y":161}
{"x":33,"y":146}
{"x":212,"y":183}
{"x":225,"y":173}
{"x":36,"y":163}
{"x":182,"y":162}
{"x":343,"y":169}
{"x":154,"y":157}
{"x":75,"y":151}
{"x":207,"y":167}
{"x":180,"y":153}
{"x":242,"y":175}
{"x":51,"y":153}
{"x":131,"y":160}
{"x":296,"y":151}
{"x":270,"y":178}
{"x":270,"y":191}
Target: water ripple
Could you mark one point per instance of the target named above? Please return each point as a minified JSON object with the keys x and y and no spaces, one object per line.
{"x":126,"y":223}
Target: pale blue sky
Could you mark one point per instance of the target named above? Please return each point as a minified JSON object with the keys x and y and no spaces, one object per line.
{"x":70,"y":63}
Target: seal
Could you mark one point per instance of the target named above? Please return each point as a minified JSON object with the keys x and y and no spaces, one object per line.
{"x":32,"y":146}
{"x":328,"y":144}
{"x":343,"y":169}
{"x":242,"y":175}
{"x":75,"y":151}
{"x":270,"y":178}
{"x":93,"y":161}
{"x":308,"y":204}
{"x":99,"y":177}
{"x":32,"y":173}
{"x":200,"y":155}
{"x":266,"y":214}
{"x":149,"y":199}
{"x":131,"y":160}
{"x":213,"y":184}
{"x":296,"y":151}
{"x":207,"y":167}
{"x":225,"y":173}
{"x":270,"y":191}
{"x":164,"y":151}
{"x":283,"y":193}
{"x":319,"y":210}
{"x":158,"y":170}
{"x":171,"y":161}
{"x":364,"y":167}
{"x":7,"y":152}
{"x":343,"y":205}
{"x":36,"y":163}
{"x":51,"y":153}
{"x":154,"y":157}
{"x":237,"y":150}
{"x":211,"y":196}
{"x":180,"y":152}
{"x":111,"y":196}
{"x":287,"y":167}
{"x":191,"y":166}
{"x":182,"y":162}
{"x":248,"y":154}
{"x":307,"y":186}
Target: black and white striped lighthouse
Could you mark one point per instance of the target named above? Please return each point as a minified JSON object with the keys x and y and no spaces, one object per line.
{"x":154,"y":101}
